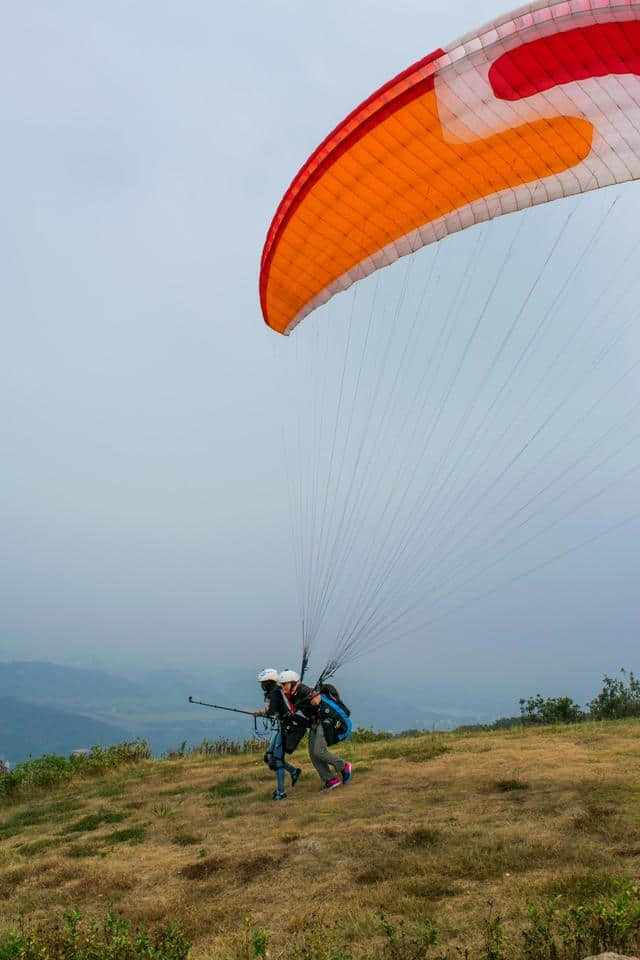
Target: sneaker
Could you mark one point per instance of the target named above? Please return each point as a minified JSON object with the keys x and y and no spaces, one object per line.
{"x":331,"y":784}
{"x":295,"y":776}
{"x":346,"y":773}
{"x":279,"y":796}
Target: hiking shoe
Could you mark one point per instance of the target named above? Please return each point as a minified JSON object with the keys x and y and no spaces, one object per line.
{"x":279,"y":796}
{"x":295,"y":776}
{"x":346,"y":773}
{"x":331,"y":784}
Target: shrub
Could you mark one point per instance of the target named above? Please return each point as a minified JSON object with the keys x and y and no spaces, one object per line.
{"x":617,"y":699}
{"x":223,"y":747}
{"x":550,"y":710}
{"x":611,"y":924}
{"x":53,"y":769}
{"x":114,"y":938}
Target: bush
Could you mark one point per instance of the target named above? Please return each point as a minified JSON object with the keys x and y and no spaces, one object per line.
{"x":585,"y":928}
{"x":617,"y":699}
{"x":550,"y":710}
{"x":52,"y":769}
{"x":114,"y":938}
{"x":221,"y":747}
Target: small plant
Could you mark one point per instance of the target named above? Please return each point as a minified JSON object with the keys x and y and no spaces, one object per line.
{"x":160,"y":810}
{"x":405,"y":941}
{"x":256,"y":941}
{"x":493,"y":946}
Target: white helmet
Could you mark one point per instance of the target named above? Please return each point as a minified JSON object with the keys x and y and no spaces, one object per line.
{"x":268,"y":674}
{"x":289,"y":676}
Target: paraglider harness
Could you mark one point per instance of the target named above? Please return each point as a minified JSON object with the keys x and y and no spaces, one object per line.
{"x":333,"y":713}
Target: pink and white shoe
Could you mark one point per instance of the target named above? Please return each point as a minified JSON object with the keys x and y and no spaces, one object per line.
{"x":346,"y":773}
{"x":332,"y":784}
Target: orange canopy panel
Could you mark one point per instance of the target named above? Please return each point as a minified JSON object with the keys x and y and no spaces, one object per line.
{"x":540,"y":104}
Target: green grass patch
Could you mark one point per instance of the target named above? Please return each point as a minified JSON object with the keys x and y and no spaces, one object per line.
{"x":128,"y":835}
{"x":111,"y":790}
{"x":38,"y":846}
{"x":581,"y":887}
{"x":417,"y":750}
{"x":33,"y":816}
{"x":93,"y":821}
{"x":230,"y":787}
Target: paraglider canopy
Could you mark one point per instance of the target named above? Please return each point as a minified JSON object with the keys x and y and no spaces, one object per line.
{"x":540,"y":104}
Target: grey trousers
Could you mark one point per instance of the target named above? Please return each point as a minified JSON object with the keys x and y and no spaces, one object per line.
{"x":321,"y":756}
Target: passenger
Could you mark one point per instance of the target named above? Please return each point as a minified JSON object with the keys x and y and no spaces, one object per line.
{"x":277,"y":707}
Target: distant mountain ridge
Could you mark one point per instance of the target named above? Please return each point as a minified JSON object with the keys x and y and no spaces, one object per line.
{"x":42,"y":682}
{"x":29,"y":729}
{"x":151,"y":705}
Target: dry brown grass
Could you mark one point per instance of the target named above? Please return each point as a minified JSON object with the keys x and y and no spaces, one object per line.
{"x":430,"y":827}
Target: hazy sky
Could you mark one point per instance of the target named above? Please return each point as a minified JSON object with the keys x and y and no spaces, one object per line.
{"x":143,"y":512}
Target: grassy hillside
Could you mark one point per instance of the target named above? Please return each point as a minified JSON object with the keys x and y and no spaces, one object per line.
{"x":459,"y":833}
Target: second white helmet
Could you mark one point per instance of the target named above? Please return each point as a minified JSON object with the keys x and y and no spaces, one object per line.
{"x":289,"y":676}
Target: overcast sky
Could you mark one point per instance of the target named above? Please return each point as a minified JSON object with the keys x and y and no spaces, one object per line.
{"x":143,"y":512}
